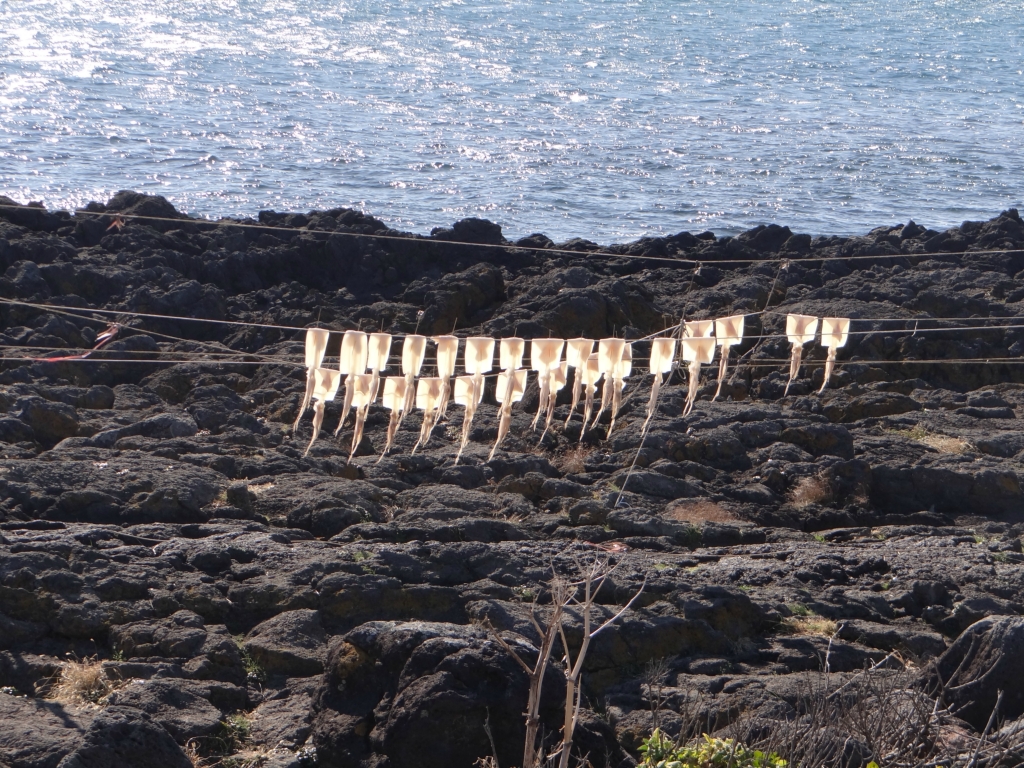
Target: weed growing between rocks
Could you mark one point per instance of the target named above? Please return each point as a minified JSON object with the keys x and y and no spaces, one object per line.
{"x":935,"y":440}
{"x":227,"y":748}
{"x":82,"y":682}
{"x":254,"y":672}
{"x":661,"y":752}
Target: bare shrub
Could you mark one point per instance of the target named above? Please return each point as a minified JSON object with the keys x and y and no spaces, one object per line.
{"x":82,"y":682}
{"x":700,"y":511}
{"x":581,"y":596}
{"x":879,"y":715}
{"x":811,"y":490}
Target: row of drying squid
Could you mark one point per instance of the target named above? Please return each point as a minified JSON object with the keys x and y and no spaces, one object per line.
{"x":364,"y":356}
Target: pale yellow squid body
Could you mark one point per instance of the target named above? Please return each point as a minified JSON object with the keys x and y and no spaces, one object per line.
{"x":362,"y":389}
{"x":834,"y":333}
{"x":325,"y":387}
{"x":316,"y":346}
{"x":663,"y":353}
{"x":545,"y":355}
{"x":394,"y":399}
{"x":728,"y":333}
{"x":469,"y":390}
{"x":429,"y":393}
{"x":510,"y":360}
{"x":378,"y":352}
{"x":609,"y":355}
{"x":447,"y":351}
{"x":618,"y":381}
{"x":577,"y":352}
{"x":511,"y":388}
{"x":556,"y":381}
{"x":800,"y":330}
{"x":414,"y":349}
{"x":591,"y":376}
{"x":351,"y":362}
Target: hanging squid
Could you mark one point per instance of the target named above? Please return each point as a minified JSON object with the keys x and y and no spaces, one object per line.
{"x":577,"y":352}
{"x":545,"y":355}
{"x":510,"y":360}
{"x":325,"y":387}
{"x":609,"y":354}
{"x":696,"y":351}
{"x":351,"y":362}
{"x":378,"y":352}
{"x":591,"y":371}
{"x":467,"y":394}
{"x":429,"y":393}
{"x":394,"y":399}
{"x":556,"y":381}
{"x":511,"y":388}
{"x":663,"y":353}
{"x":316,"y":346}
{"x":362,"y":392}
{"x":413,"y":351}
{"x":728,"y":333}
{"x":447,"y":351}
{"x":800,"y":329}
{"x":478,"y":359}
{"x":834,"y":333}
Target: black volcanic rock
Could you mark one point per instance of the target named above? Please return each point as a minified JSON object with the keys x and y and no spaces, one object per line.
{"x":158,"y":514}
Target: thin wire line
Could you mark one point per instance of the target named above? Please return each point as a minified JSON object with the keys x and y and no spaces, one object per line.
{"x":75,"y":312}
{"x":513,"y":246}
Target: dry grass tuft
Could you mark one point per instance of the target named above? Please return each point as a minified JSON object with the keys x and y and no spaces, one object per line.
{"x":82,"y":682}
{"x":809,"y":625}
{"x":192,"y":753}
{"x":260,"y":488}
{"x":700,"y":511}
{"x":811,"y":490}
{"x":573,"y":461}
{"x":936,"y":441}
{"x":946,"y":444}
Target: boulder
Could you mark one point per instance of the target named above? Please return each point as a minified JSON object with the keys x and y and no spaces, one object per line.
{"x":986,"y":659}
{"x":292,"y":643}
{"x":124,"y":737}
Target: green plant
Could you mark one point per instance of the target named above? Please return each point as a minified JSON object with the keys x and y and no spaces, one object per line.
{"x":818,"y":537}
{"x":799,"y":609}
{"x":253,"y":670}
{"x":237,"y":728}
{"x":707,"y":752}
{"x":118,"y":655}
{"x":1000,"y":557}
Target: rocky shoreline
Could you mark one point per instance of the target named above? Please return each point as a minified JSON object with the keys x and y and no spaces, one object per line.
{"x":242,"y":602}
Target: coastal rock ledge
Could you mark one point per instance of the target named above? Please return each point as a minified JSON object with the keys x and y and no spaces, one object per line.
{"x":181,"y":585}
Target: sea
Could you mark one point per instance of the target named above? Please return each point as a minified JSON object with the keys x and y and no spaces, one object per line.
{"x":605,"y":119}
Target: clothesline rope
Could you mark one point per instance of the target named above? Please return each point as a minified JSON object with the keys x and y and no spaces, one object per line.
{"x":81,"y":312}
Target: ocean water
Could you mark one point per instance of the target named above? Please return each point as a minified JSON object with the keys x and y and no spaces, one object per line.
{"x":606,"y":119}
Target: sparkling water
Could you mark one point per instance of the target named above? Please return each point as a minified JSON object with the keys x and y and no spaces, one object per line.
{"x":603,"y":119}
